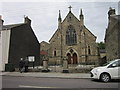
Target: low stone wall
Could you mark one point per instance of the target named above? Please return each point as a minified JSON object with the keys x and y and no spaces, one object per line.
{"x":81,"y":68}
{"x":73,"y":68}
{"x":59,"y":68}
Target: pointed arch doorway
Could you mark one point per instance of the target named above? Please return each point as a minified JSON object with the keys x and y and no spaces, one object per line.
{"x":72,"y":58}
{"x":69,"y":58}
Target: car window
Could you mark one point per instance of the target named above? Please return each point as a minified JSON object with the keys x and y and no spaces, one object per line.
{"x":115,"y":64}
{"x":119,"y":63}
{"x":107,"y":63}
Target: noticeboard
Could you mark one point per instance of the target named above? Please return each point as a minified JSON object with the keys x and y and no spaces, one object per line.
{"x":31,"y":58}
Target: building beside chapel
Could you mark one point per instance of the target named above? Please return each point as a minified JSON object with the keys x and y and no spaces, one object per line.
{"x":112,"y":36}
{"x":72,"y":40}
{"x":18,"y":41}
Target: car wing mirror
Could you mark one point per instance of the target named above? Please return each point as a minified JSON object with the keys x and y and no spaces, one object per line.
{"x":114,"y":65}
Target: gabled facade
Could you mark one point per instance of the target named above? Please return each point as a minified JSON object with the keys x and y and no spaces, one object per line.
{"x":112,"y":36}
{"x":73,"y":40}
{"x":19,"y":41}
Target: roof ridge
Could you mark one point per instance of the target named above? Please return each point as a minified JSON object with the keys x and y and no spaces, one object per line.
{"x":12,"y":25}
{"x":67,"y":16}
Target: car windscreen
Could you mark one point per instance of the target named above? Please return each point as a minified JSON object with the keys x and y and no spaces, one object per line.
{"x":107,"y":63}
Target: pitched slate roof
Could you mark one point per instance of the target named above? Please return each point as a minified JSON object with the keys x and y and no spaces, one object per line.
{"x":117,"y":17}
{"x":11,"y":26}
{"x":43,"y":52}
{"x":45,"y":42}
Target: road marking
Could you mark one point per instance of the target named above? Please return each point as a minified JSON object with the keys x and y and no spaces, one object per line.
{"x":25,"y":86}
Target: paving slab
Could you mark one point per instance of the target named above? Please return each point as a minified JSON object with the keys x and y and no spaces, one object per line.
{"x":48,"y":75}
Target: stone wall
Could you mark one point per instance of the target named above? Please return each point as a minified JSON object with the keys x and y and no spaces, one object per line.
{"x":112,"y":40}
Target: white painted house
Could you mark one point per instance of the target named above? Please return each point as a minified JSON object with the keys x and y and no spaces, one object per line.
{"x":4,"y":45}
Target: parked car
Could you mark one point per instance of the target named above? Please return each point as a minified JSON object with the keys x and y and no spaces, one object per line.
{"x":108,"y":71}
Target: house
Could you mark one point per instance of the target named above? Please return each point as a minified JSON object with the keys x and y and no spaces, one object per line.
{"x":112,"y":36}
{"x":18,"y":41}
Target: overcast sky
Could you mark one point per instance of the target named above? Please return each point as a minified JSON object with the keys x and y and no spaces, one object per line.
{"x":44,"y":15}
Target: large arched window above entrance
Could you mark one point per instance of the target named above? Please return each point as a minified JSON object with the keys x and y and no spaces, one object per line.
{"x":71,"y":38}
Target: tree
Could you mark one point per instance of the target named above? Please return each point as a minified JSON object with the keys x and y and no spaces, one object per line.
{"x":101,"y":45}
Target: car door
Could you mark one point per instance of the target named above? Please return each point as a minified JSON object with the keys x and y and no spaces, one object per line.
{"x":119,"y":69}
{"x":113,"y":69}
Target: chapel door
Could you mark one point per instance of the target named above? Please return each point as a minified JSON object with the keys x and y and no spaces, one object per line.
{"x":69,"y":58}
{"x":74,"y":58}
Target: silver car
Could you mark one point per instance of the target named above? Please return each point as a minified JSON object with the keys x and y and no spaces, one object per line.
{"x":108,"y":71}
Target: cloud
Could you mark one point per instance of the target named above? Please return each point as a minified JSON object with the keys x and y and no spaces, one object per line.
{"x":44,"y":15}
{"x":60,"y":0}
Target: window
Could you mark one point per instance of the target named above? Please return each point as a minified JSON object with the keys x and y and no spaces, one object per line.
{"x":115,"y":64}
{"x":89,"y":52}
{"x":55,"y":52}
{"x":119,"y":63}
{"x":71,"y":37}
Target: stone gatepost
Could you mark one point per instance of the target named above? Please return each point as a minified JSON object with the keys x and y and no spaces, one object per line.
{"x":65,"y":65}
{"x":45,"y":65}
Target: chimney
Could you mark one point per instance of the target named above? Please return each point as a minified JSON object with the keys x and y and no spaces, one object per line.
{"x":111,"y":12}
{"x":1,"y":22}
{"x":27,"y":20}
{"x":1,"y":19}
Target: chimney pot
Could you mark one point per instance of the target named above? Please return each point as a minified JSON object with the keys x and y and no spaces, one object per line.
{"x":0,"y":16}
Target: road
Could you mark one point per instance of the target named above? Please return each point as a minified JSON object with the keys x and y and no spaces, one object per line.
{"x":33,"y":82}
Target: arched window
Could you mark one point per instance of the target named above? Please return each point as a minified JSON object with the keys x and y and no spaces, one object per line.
{"x":89,"y":51}
{"x":71,"y":37}
{"x":55,"y":54}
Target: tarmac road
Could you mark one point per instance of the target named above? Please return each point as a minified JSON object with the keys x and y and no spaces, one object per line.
{"x":36,"y":82}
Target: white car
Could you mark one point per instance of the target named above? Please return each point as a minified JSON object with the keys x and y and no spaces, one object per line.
{"x":108,"y":71}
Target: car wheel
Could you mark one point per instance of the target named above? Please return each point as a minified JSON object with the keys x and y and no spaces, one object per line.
{"x":105,"y":77}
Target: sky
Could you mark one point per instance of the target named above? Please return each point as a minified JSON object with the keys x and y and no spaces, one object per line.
{"x":44,"y":15}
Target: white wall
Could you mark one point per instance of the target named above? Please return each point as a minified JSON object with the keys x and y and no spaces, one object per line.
{"x":0,"y":52}
{"x":0,"y":58}
{"x":0,"y":46}
{"x":5,"y":36}
{"x":4,"y":46}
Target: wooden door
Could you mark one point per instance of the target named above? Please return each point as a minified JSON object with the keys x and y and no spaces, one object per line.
{"x":69,"y":58}
{"x":74,"y":58}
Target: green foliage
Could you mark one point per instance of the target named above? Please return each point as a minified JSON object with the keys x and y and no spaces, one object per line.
{"x":101,"y":45}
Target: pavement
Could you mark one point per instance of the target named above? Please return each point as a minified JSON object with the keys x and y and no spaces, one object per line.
{"x":48,"y":75}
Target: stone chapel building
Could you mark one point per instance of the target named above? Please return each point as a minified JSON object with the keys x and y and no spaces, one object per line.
{"x":72,"y":40}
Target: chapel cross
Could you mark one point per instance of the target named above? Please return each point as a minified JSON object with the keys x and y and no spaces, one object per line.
{"x":70,"y":8}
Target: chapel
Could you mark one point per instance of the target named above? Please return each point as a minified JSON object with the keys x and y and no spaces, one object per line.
{"x":72,"y":40}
